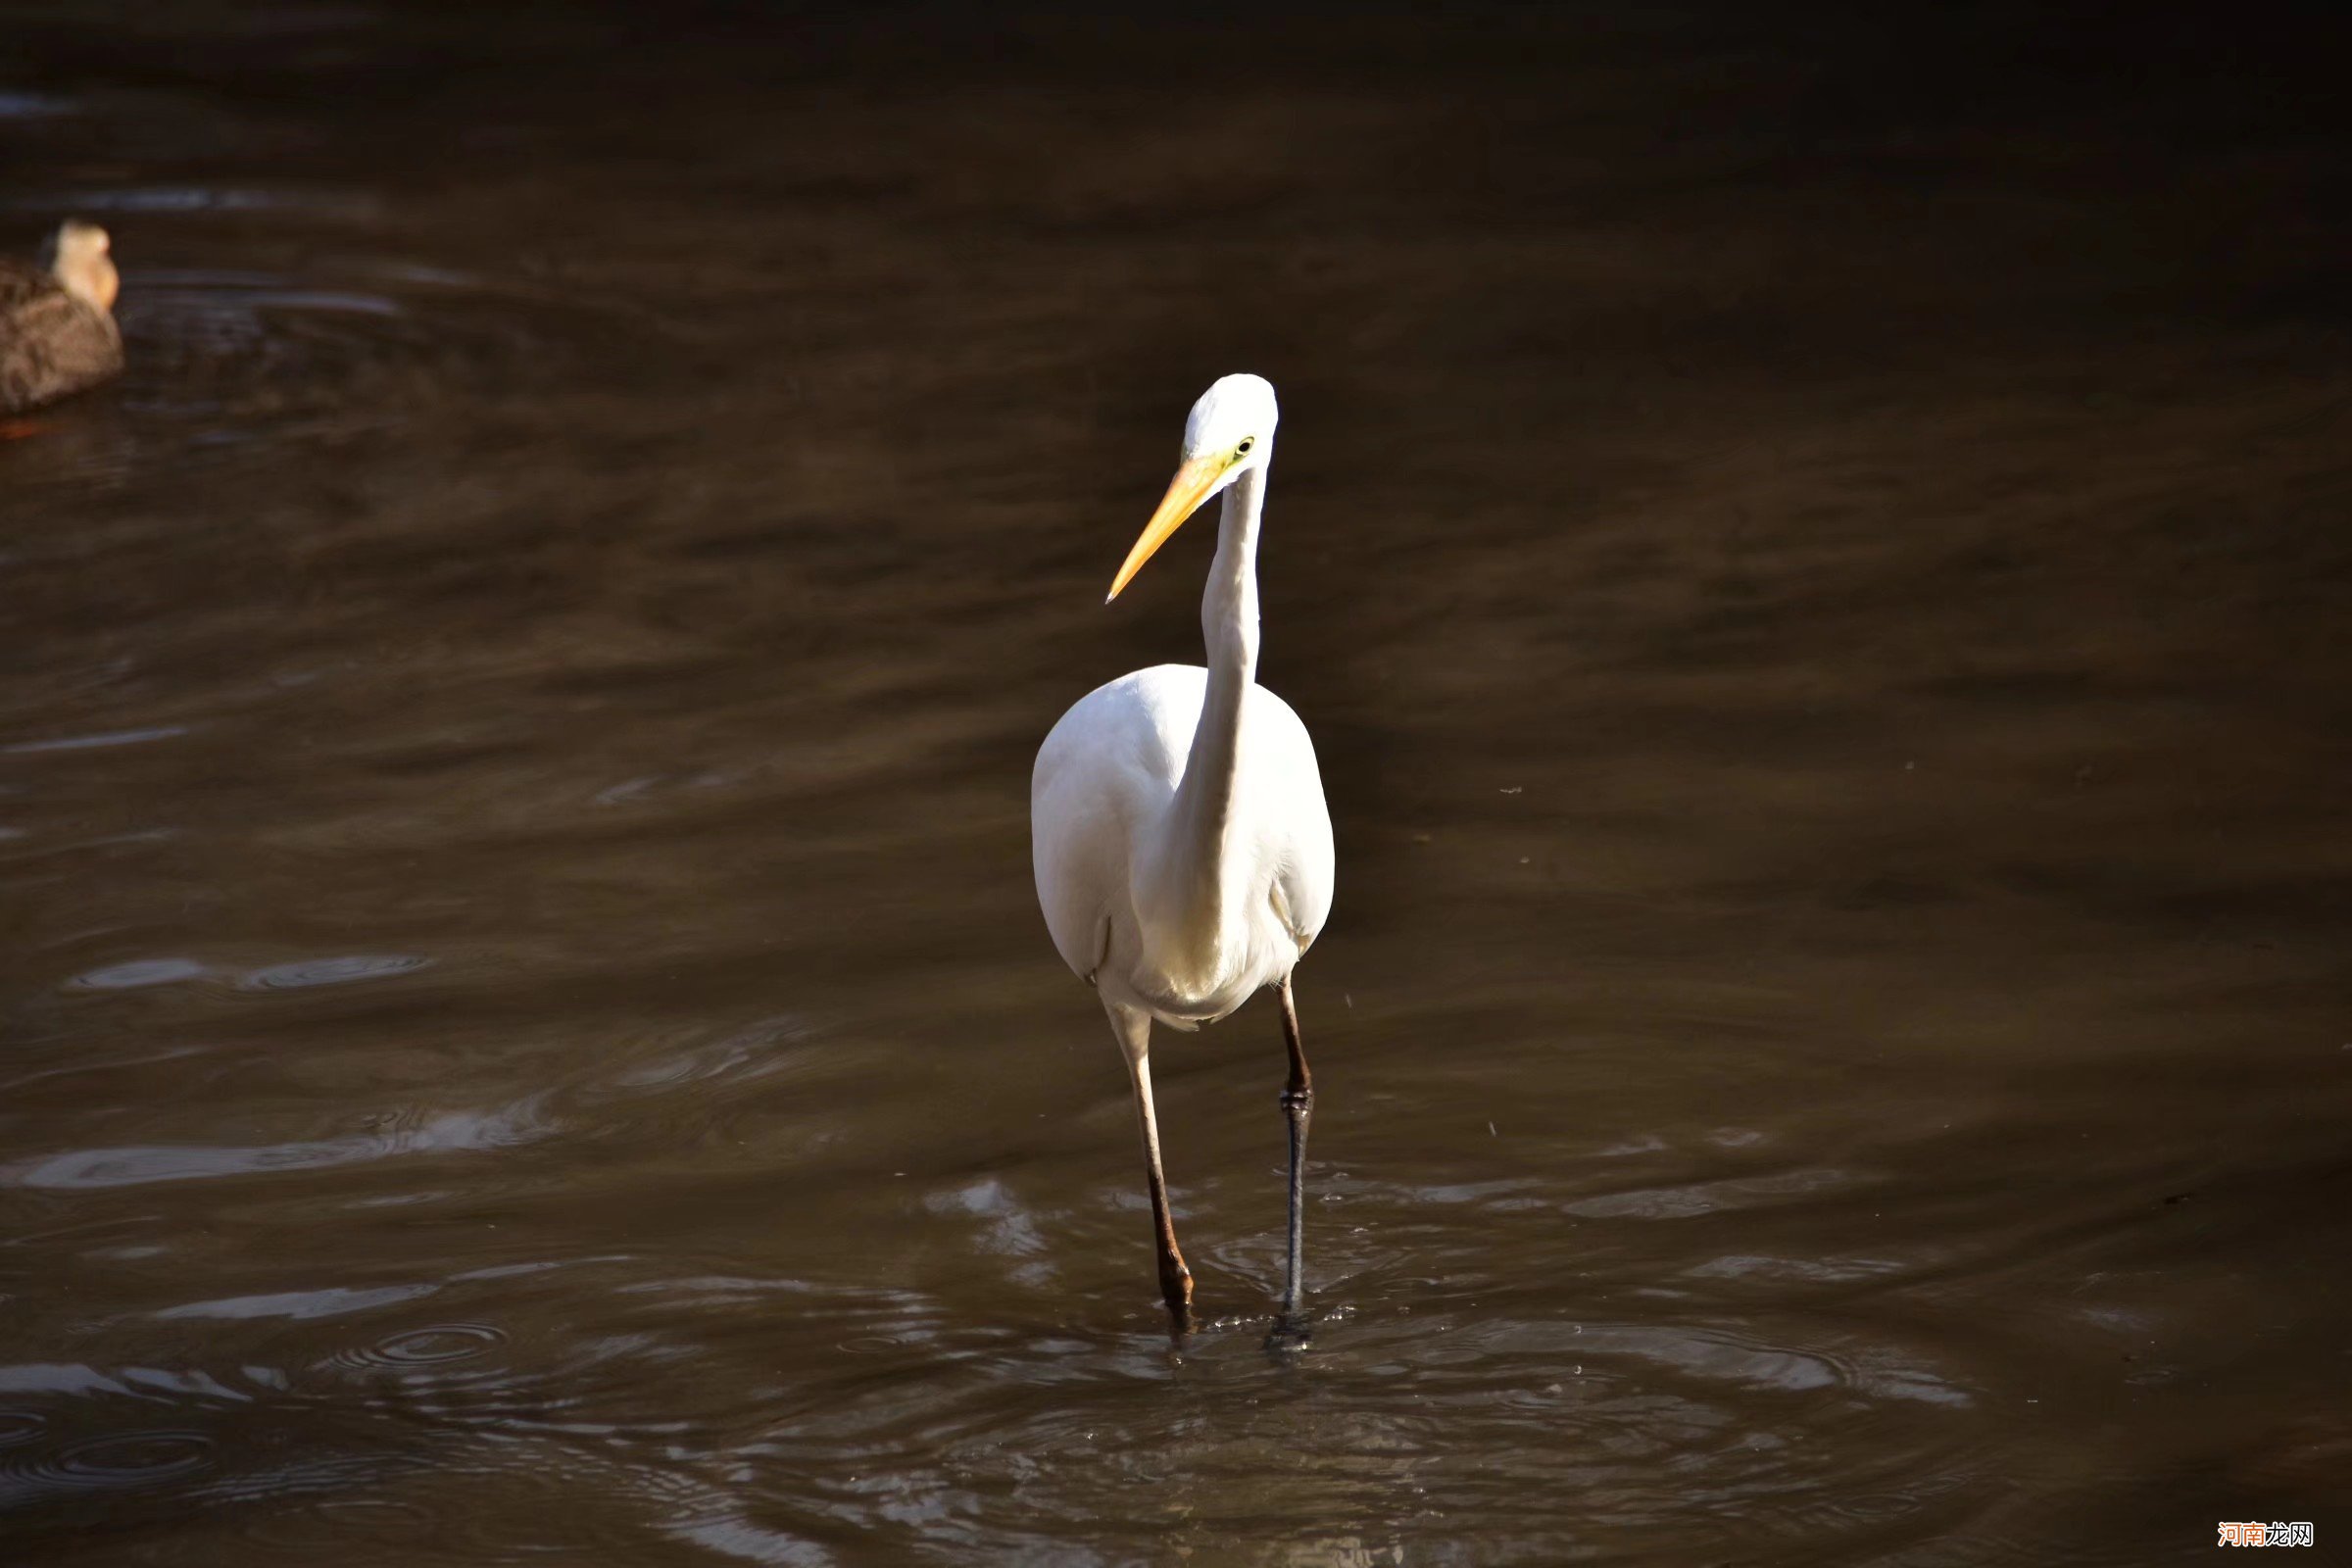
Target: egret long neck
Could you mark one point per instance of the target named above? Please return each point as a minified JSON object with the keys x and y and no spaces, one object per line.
{"x":1203,"y":806}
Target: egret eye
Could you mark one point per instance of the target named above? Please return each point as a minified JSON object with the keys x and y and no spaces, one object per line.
{"x":1247,"y":442}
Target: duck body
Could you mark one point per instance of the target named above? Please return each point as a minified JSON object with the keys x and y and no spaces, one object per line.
{"x":57,"y":326}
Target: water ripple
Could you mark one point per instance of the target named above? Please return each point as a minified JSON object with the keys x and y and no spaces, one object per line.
{"x":434,"y":1344}
{"x":137,"y":974}
{"x":333,"y":1301}
{"x":84,"y":1169}
{"x":134,"y":1458}
{"x":113,"y":1462}
{"x":307,"y":973}
{"x":88,"y":743}
{"x":228,"y":364}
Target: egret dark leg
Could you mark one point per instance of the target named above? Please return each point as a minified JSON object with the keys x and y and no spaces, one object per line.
{"x":1175,"y":1280}
{"x":1298,"y":1105}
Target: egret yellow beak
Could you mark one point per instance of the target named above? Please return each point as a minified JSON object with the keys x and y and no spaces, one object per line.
{"x":1194,"y":483}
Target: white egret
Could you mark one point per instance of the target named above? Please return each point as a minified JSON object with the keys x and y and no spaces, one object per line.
{"x":1181,"y":843}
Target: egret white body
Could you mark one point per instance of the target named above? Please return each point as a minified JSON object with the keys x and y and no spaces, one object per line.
{"x":1166,"y":910}
{"x":1182,"y":848}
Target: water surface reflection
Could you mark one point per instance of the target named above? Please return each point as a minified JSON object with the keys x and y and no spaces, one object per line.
{"x":1813,"y":558}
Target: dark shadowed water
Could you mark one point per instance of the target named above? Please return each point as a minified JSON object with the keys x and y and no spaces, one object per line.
{"x":1816,"y":558}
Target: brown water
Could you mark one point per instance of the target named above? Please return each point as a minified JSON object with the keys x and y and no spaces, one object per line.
{"x":1817,"y":564}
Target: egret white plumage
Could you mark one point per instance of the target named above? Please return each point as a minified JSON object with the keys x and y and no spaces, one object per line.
{"x":1182,"y":847}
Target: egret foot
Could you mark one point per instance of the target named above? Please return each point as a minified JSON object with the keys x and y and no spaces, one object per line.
{"x":1290,"y":1336}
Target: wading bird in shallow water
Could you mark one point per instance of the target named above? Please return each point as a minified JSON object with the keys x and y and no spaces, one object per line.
{"x":1178,"y":831}
{"x":57,"y":324}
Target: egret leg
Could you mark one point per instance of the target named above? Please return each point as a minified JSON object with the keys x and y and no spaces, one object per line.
{"x":1133,"y":1029}
{"x":1298,"y":1105}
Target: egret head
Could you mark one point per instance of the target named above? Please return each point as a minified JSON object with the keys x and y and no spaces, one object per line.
{"x":1231,"y":431}
{"x":77,"y":259}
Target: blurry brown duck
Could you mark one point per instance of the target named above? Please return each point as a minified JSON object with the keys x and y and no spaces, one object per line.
{"x":57,"y":323}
